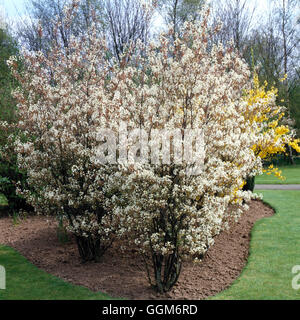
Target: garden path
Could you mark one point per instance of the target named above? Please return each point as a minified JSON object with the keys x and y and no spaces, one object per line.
{"x":277,"y":187}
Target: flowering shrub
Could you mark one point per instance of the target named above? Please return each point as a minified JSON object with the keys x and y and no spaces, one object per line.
{"x":273,"y":136}
{"x":166,"y":213}
{"x":168,"y":210}
{"x":62,"y":101}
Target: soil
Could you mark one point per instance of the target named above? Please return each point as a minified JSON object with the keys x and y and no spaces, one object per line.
{"x":122,"y":274}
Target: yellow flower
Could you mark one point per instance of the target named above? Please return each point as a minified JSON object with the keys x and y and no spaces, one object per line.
{"x":284,"y":78}
{"x":262,"y":109}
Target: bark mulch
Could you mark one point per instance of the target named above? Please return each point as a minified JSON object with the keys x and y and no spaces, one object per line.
{"x":122,"y":274}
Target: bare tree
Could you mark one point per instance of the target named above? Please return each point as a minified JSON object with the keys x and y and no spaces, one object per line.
{"x":127,"y":21}
{"x":41,"y":16}
{"x":176,"y":12}
{"x":123,"y":22}
{"x":290,"y":41}
{"x":237,"y":19}
{"x":275,"y":45}
{"x":289,"y":29}
{"x":264,"y":52}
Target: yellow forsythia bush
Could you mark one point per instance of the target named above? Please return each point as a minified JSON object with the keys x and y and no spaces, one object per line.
{"x":274,"y":137}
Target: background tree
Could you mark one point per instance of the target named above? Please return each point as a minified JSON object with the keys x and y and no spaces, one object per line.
{"x":290,"y":39}
{"x":123,"y":22}
{"x":126,"y":22}
{"x":237,"y":20}
{"x":42,"y":15}
{"x":9,"y":173}
{"x":269,"y":41}
{"x":8,"y":47}
{"x":294,"y":100}
{"x":176,"y":12}
{"x":275,"y":51}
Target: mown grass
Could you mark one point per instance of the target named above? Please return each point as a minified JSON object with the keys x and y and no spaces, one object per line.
{"x":291,"y":173}
{"x":24,"y":281}
{"x":274,"y":250}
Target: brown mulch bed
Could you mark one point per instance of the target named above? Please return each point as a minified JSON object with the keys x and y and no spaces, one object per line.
{"x":122,"y":274}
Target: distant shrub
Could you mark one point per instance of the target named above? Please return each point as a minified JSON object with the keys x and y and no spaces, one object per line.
{"x":10,"y":175}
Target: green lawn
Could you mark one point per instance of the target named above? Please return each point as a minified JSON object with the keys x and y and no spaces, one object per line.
{"x":24,"y":281}
{"x":291,"y":173}
{"x":274,"y":251}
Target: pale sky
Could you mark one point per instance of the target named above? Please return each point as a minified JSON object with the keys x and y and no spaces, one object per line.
{"x":14,"y":11}
{"x":14,"y":8}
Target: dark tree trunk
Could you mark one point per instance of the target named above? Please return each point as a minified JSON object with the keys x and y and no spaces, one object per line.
{"x":290,"y":155}
{"x":166,"y":271}
{"x":90,"y":249}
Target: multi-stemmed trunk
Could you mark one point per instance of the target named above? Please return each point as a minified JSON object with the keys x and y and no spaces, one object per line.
{"x":90,"y":249}
{"x":166,"y":271}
